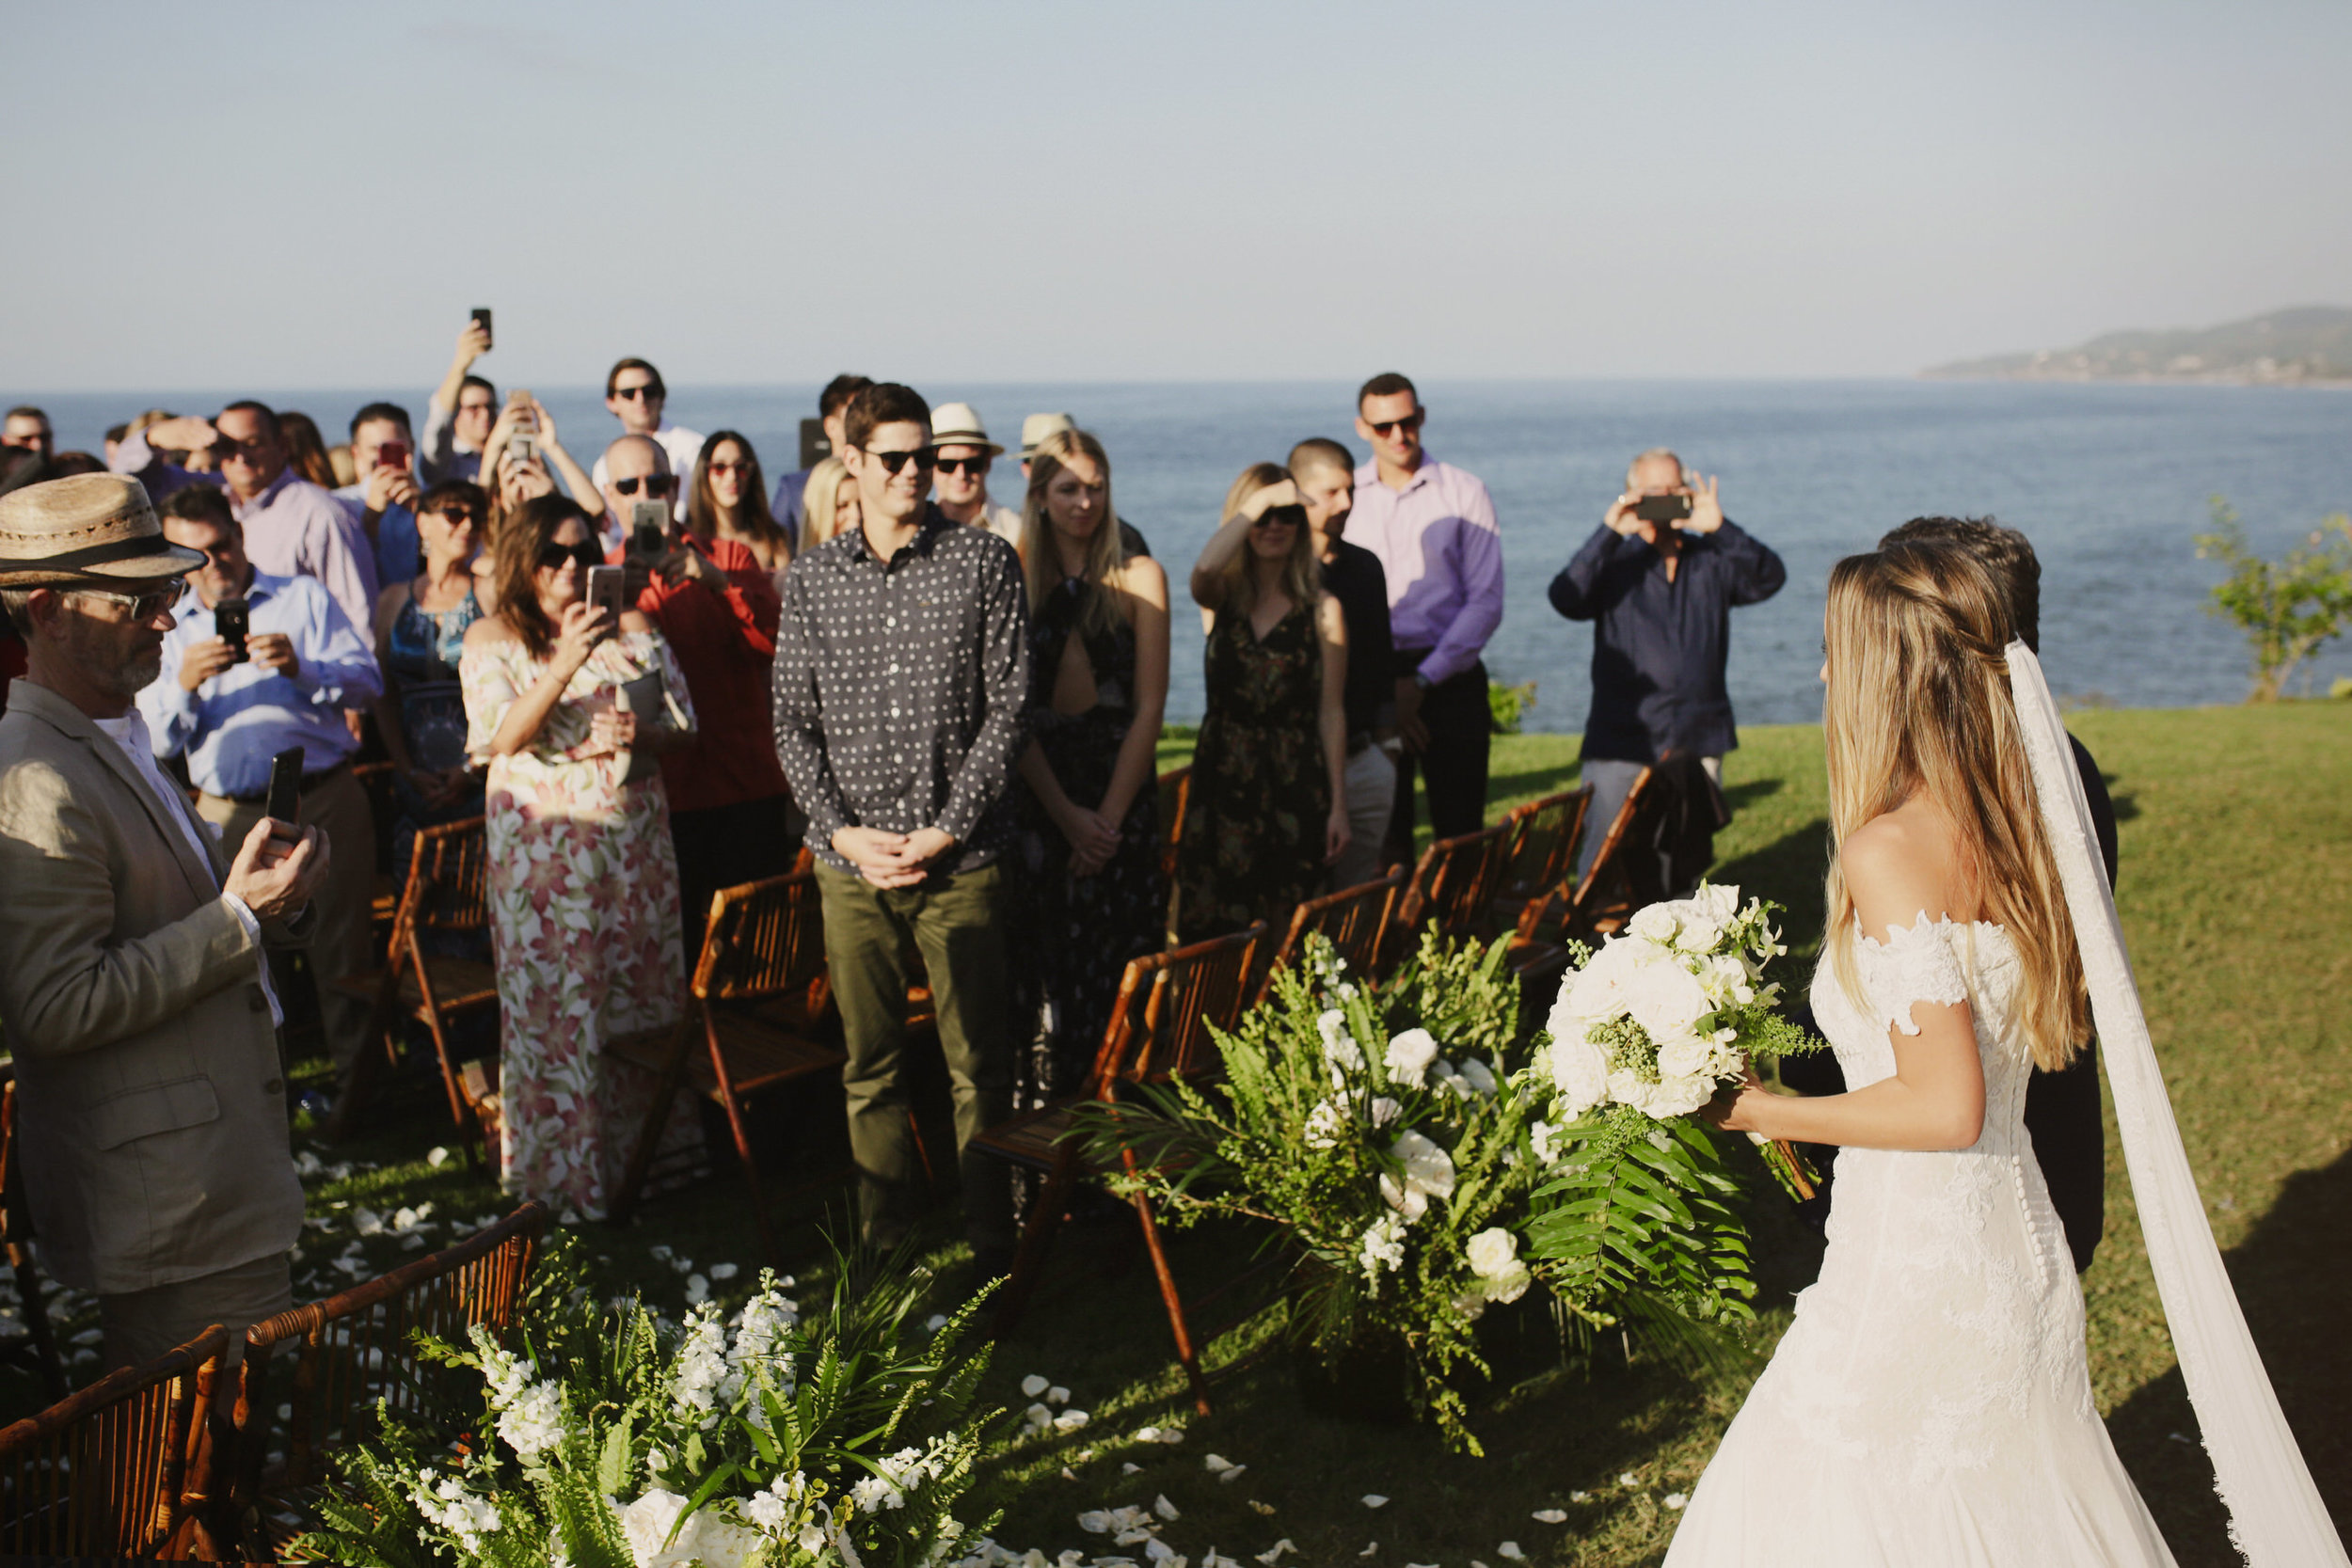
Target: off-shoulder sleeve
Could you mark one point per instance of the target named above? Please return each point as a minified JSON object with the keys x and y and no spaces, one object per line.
{"x":488,"y":680}
{"x":1915,"y":964}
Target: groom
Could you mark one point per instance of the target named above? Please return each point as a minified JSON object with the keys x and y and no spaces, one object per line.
{"x":2061,"y":1108}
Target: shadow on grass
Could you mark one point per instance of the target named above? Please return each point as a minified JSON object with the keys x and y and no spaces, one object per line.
{"x":1531,"y":781}
{"x":2292,"y":1279}
{"x":1741,"y":796}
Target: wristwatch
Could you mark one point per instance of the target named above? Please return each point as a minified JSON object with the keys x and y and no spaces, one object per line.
{"x":1422,"y":681}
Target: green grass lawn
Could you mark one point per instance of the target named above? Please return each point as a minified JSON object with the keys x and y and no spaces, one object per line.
{"x":2236,"y":893}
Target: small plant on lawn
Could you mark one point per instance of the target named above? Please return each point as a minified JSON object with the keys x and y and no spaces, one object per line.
{"x":2288,"y":608}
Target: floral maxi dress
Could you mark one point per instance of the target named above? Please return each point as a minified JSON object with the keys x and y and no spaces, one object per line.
{"x":584,"y":917}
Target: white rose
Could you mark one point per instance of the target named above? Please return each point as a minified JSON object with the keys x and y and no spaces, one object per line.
{"x":1655,"y":923}
{"x":1510,"y":1285}
{"x":1683,"y":1057}
{"x":1493,"y":1253}
{"x":1666,"y":1001}
{"x":1410,"y":1055}
{"x":1679,"y":1097}
{"x":1579,"y":1069}
{"x":1427,"y":1168}
{"x":1628,"y":1088}
{"x":1478,"y":1075}
{"x":1597,"y":991}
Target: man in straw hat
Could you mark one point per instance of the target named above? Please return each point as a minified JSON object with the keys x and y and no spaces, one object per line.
{"x":965,"y":455}
{"x":133,"y":986}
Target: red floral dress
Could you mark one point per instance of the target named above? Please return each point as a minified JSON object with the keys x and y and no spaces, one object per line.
{"x":584,"y":915}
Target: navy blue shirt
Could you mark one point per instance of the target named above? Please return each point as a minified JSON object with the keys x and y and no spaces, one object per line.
{"x":1660,"y":648}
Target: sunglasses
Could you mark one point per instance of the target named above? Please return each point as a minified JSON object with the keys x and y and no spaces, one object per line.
{"x":962,"y":465}
{"x":453,"y":516}
{"x":1280,"y":516}
{"x":631,"y":394}
{"x":743,"y":467}
{"x":554,"y":558}
{"x":247,"y":451}
{"x":924,"y":459}
{"x":143,"y":607}
{"x":1409,"y":423}
{"x":656,"y":485}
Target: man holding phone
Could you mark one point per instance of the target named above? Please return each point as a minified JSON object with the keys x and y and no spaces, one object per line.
{"x":383,"y":498}
{"x":228,"y":710}
{"x":1658,"y":579}
{"x":458,"y":416}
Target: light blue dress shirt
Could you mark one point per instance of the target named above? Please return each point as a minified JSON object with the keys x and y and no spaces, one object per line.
{"x":399,"y":551}
{"x":231,"y":726}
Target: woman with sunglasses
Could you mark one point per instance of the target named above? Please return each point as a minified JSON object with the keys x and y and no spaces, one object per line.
{"x":582,"y":878}
{"x":421,"y":628}
{"x":1268,"y":810}
{"x":730,"y":501}
{"x":1089,"y":842}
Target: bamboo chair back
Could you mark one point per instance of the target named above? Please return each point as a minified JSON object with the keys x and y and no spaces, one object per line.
{"x":1623,"y":875}
{"x":1453,"y":886}
{"x":357,"y":1347}
{"x":115,"y":1470}
{"x":454,"y":893}
{"x":766,"y":940}
{"x":1175,"y":794}
{"x":1355,"y":920}
{"x":1544,"y":854}
{"x":1158,"y":1029}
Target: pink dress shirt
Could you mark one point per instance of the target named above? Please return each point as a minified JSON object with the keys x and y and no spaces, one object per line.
{"x":1442,"y":551}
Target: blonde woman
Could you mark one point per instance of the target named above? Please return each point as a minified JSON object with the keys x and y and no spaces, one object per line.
{"x":829,"y":504}
{"x":1090,"y":814}
{"x":1932,"y":1402}
{"x":1269,"y":807}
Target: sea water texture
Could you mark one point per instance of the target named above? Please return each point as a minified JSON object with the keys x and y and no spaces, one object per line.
{"x":2110,"y":482}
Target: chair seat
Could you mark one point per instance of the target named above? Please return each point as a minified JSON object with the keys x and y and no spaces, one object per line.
{"x":759,"y":1055}
{"x":459,"y":985}
{"x":1033,"y":1138}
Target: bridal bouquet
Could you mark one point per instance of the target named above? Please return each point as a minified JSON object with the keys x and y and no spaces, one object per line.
{"x":1644,"y":1033}
{"x":611,"y":1440}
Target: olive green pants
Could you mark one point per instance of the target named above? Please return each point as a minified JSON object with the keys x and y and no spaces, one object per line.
{"x":957,"y":924}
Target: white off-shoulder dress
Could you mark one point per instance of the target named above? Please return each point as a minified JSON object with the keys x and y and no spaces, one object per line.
{"x":1930,"y":1406}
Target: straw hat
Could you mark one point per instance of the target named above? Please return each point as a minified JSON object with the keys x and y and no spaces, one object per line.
{"x":89,"y":531}
{"x":1036,"y":427}
{"x":957,"y":424}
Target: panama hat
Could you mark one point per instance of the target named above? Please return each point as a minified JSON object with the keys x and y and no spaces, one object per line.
{"x":1036,"y":427}
{"x":87,"y":530}
{"x":957,"y":424}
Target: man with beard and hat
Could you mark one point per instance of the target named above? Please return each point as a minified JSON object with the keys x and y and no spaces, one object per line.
{"x":133,"y":986}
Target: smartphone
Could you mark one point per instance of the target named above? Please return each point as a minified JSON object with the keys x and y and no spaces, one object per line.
{"x":392,"y":455}
{"x":482,"y":320}
{"x":284,"y":806}
{"x":521,"y":446}
{"x":648,"y":528}
{"x":606,"y":589}
{"x":1663,"y":509}
{"x":232,"y":621}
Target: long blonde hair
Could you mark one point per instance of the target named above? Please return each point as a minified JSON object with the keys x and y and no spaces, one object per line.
{"x":1919,"y":702}
{"x":1041,"y":558}
{"x":1302,"y":574}
{"x":820,"y":503}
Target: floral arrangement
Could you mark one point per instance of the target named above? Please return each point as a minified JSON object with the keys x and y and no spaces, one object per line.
{"x":1639,"y":1211}
{"x":609,"y":1439}
{"x":1423,"y":1165}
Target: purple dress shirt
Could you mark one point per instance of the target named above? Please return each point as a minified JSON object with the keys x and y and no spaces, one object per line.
{"x":293,"y":528}
{"x":1442,"y":551}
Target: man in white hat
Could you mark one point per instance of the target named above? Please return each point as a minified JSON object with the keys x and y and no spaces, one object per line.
{"x":133,"y":986}
{"x":965,"y":455}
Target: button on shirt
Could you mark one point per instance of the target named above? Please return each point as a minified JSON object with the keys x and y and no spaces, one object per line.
{"x":231,"y":726}
{"x":293,"y":528}
{"x":1660,"y":648}
{"x":900,"y":687}
{"x":1439,"y":542}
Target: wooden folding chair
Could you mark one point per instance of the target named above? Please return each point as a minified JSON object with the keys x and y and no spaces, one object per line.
{"x":1175,"y":795}
{"x":121,"y":1469}
{"x":1452,"y":889}
{"x":446,"y":896}
{"x":1625,"y":875}
{"x":36,"y":1349}
{"x":750,"y":1024}
{"x":1543,"y":853}
{"x":1157,"y":1033}
{"x":352,"y":1350}
{"x":1355,"y":919}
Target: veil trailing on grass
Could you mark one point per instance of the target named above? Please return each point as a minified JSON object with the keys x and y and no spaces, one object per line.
{"x":2276,"y":1518}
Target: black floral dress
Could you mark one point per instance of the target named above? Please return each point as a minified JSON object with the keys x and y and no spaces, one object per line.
{"x":1253,"y":844}
{"x":1082,"y":929}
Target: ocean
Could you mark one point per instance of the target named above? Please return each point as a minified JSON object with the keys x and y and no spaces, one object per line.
{"x":2111,"y":482}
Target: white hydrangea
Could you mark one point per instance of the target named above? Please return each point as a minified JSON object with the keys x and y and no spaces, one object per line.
{"x":777,"y":1504}
{"x":1410,"y":1055}
{"x":705,"y":1538}
{"x":446,"y":1502}
{"x":534,"y":1423}
{"x":1383,"y":1247}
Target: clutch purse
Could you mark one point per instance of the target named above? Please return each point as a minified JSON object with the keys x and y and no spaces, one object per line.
{"x":648,"y":697}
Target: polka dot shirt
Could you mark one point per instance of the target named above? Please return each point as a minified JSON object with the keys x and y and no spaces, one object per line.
{"x":900,"y":688}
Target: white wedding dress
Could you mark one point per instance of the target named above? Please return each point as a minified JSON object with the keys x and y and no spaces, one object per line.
{"x":1930,"y":1406}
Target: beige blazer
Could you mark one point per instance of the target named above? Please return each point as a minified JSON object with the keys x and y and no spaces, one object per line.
{"x":151,"y":1103}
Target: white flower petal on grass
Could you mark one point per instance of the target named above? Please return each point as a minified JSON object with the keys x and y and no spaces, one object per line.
{"x":1057,"y":1395}
{"x":1629,"y":1479}
{"x":1129,"y":1467}
{"x":1069,"y":1474}
{"x":1369,"y":1549}
{"x":1165,"y":1510}
{"x":1147,"y":1435}
{"x":1580,"y":1496}
{"x":1157,"y":1550}
{"x":1226,"y":1478}
{"x":1510,"y":1552}
{"x":697,"y":1289}
{"x":1069,"y":1420}
{"x":1677,"y":1501}
{"x":1032,"y":1385}
{"x":1551,"y":1515}
{"x":936,"y":1321}
{"x":724,"y":1271}
{"x":1374,"y":1499}
{"x":1215,"y":1461}
{"x":1274,"y":1553}
{"x":438,"y":1157}
{"x":1038,"y":1415}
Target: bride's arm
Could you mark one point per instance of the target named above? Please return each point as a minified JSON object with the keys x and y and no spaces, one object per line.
{"x":1937,"y":1098}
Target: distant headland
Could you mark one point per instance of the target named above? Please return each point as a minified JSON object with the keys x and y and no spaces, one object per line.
{"x":2308,"y":344}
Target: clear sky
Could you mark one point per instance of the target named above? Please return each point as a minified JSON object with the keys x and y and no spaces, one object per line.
{"x":313,"y":195}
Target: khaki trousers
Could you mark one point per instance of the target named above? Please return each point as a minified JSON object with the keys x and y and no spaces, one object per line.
{"x":144,"y":1324}
{"x":957,"y":923}
{"x":338,"y":809}
{"x":1371,"y":781}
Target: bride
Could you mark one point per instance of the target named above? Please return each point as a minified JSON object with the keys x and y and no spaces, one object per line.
{"x":1931,"y":1404}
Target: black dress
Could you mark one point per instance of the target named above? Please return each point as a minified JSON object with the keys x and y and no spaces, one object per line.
{"x":1083,"y":930}
{"x":1253,"y":845}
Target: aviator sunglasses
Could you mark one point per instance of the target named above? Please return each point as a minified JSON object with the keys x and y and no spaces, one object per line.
{"x":656,"y":485}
